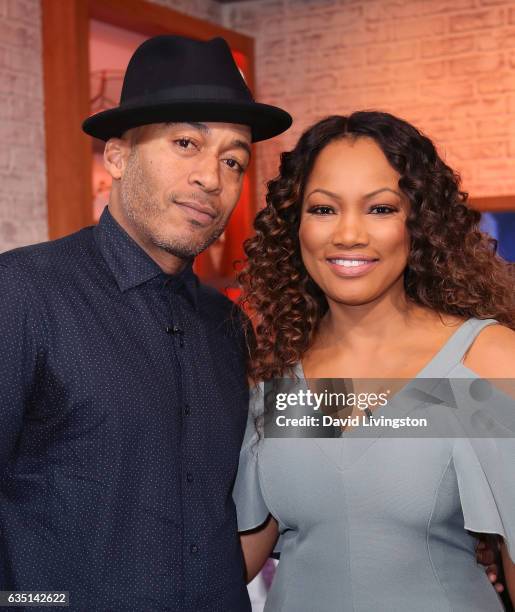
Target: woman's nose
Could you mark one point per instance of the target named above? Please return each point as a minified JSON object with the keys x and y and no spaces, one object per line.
{"x":350,"y":230}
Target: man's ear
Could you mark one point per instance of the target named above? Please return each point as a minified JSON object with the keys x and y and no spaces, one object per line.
{"x":116,"y":153}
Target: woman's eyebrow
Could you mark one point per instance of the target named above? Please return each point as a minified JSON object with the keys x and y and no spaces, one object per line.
{"x":373,"y":193}
{"x":335,"y":196}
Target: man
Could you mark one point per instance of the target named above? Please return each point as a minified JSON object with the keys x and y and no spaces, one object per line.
{"x":123,"y":386}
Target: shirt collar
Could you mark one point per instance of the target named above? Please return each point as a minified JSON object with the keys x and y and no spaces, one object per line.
{"x":131,"y":266}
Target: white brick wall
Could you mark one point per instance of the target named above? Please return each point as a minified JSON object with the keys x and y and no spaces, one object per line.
{"x":22,"y":144}
{"x":202,"y":9}
{"x":446,"y":65}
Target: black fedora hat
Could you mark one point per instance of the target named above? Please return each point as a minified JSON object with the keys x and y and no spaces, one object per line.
{"x":172,"y":78}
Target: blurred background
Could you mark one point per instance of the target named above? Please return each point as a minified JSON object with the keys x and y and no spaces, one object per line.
{"x":448,"y":66}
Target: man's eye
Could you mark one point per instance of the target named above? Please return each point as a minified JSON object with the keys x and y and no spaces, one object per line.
{"x":234,"y":165}
{"x":382,"y":209}
{"x":184,"y":143}
{"x":321,"y":210}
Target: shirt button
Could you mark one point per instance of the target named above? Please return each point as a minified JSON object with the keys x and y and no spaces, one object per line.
{"x":193,"y":549}
{"x":187,"y":409}
{"x":189,"y":477}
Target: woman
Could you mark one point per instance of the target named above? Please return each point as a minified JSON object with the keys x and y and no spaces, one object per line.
{"x":367,"y":263}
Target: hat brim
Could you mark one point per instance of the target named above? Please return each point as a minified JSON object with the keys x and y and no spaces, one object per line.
{"x":264,"y":120}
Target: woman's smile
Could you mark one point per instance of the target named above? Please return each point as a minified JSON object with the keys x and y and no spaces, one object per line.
{"x":351,"y":266}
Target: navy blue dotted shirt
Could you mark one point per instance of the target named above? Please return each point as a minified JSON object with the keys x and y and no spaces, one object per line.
{"x":123,"y":402}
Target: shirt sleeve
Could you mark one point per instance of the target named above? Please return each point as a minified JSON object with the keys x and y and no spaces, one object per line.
{"x":484,"y":460}
{"x":18,"y":354}
{"x":251,"y":508}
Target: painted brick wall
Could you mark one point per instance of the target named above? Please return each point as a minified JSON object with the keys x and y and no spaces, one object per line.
{"x":448,"y":66}
{"x":202,"y":9}
{"x":23,"y":213}
{"x":22,"y":142}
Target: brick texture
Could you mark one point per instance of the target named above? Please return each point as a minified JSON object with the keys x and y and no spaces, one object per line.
{"x":448,"y":66}
{"x":202,"y":9}
{"x":22,"y":143}
{"x":23,"y":211}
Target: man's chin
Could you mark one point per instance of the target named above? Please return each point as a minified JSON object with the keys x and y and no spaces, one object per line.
{"x":184,"y":249}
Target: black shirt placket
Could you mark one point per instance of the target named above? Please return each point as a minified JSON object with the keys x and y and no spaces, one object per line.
{"x":182,"y":345}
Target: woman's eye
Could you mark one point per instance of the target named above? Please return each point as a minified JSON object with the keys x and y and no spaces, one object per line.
{"x":382,"y":209}
{"x":321,"y":210}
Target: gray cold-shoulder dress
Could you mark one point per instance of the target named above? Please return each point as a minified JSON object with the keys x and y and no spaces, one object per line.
{"x":379,"y":523}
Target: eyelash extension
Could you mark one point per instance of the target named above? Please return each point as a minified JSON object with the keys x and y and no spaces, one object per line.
{"x":389,"y":209}
{"x":385,"y":210}
{"x":313,"y":210}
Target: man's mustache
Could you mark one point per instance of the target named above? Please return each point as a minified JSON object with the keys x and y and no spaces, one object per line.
{"x":203,"y":203}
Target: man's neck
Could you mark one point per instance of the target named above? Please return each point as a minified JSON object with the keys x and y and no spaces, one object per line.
{"x":169,"y":263}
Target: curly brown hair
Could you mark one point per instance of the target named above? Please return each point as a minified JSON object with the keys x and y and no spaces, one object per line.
{"x":452,"y":266}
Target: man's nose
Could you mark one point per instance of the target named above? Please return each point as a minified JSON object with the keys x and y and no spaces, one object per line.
{"x":350,"y":230}
{"x":206,"y":174}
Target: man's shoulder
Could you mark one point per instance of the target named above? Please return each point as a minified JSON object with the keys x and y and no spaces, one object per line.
{"x":50,"y":256}
{"x":209,"y":296}
{"x":219,"y":308}
{"x":228,"y":324}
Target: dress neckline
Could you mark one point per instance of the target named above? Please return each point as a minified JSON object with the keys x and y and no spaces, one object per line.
{"x":448,"y":356}
{"x":455,"y":346}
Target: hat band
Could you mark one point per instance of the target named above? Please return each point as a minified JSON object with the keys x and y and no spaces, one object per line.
{"x":190,"y":93}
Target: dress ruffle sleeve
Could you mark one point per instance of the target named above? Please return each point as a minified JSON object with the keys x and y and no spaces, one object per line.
{"x":251,"y":508}
{"x":484,"y":459}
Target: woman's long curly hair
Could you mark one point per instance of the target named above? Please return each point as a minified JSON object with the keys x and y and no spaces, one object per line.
{"x":452,"y":266}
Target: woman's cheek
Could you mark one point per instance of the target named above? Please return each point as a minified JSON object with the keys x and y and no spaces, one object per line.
{"x":313,"y":236}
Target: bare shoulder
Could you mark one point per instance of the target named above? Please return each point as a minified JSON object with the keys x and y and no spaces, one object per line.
{"x":492,"y":354}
